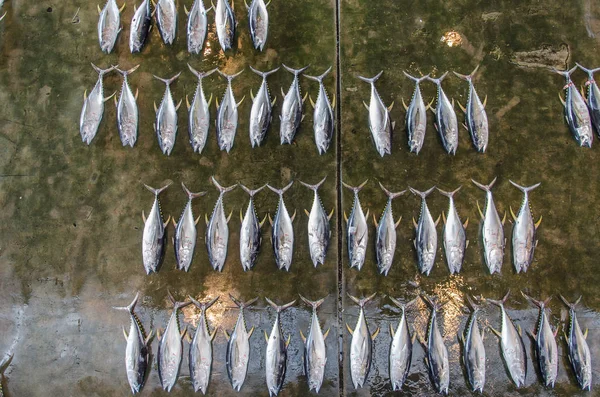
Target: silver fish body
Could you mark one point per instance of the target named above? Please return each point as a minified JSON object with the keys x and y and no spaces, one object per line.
{"x":357,"y":232}
{"x":385,"y":240}
{"x":291,"y":109}
{"x":579,"y":351}
{"x":217,"y":231}
{"x":474,"y":352}
{"x":166,"y":118}
{"x":323,"y":119}
{"x":315,"y":352}
{"x":227,"y":115}
{"x":238,"y":348}
{"x":319,"y":231}
{"x":426,"y":235}
{"x":577,"y":114}
{"x":523,"y":233}
{"x":276,"y":354}
{"x":185,"y":233}
{"x":476,"y":117}
{"x":226,"y":24}
{"x":437,"y":353}
{"x":201,"y":354}
{"x":93,"y":108}
{"x":593,"y":97}
{"x":197,"y":27}
{"x":155,"y":236}
{"x":400,"y":349}
{"x":127,"y":111}
{"x":258,"y":20}
{"x":250,"y":233}
{"x":140,"y":26}
{"x":416,"y":117}
{"x":262,"y":110}
{"x":109,"y":26}
{"x":492,"y":231}
{"x":455,"y":238}
{"x":361,"y":346}
{"x":166,"y":20}
{"x":199,"y":114}
{"x":445,"y":118}
{"x":380,"y":122}
{"x":282,"y":235}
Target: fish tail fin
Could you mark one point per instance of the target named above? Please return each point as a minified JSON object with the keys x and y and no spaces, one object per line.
{"x":314,"y":304}
{"x":126,"y":73}
{"x":296,"y":72}
{"x":250,"y":191}
{"x":500,"y":302}
{"x":467,"y":77}
{"x":417,"y":80}
{"x":319,"y":78}
{"x":487,"y":188}
{"x":167,"y":81}
{"x":156,"y":192}
{"x":424,"y":194}
{"x":391,"y":195}
{"x":568,"y":304}
{"x":524,"y":189}
{"x":200,"y":75}
{"x":280,"y":308}
{"x":449,"y":194}
{"x":432,"y":303}
{"x":264,"y":74}
{"x":363,"y":301}
{"x":316,"y":186}
{"x":590,"y":72}
{"x":397,"y":302}
{"x":203,"y":306}
{"x":102,"y":72}
{"x":472,"y":303}
{"x":222,"y":189}
{"x":439,"y":80}
{"x":355,"y":189}
{"x":280,"y":192}
{"x":190,"y":194}
{"x":130,"y":308}
{"x":370,"y":80}
{"x":565,"y":73}
{"x":230,"y":77}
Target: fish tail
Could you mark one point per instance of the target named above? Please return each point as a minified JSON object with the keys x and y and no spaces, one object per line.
{"x":126,"y":73}
{"x":391,"y":195}
{"x":177,"y":305}
{"x":422,"y":194}
{"x":201,"y":75}
{"x":500,"y":302}
{"x":487,"y":188}
{"x":371,"y":80}
{"x":131,"y":307}
{"x":203,"y":306}
{"x":590,"y":72}
{"x":230,"y":77}
{"x":314,"y":187}
{"x":102,"y":72}
{"x":355,"y":189}
{"x":449,"y":194}
{"x":167,"y":81}
{"x":319,"y":78}
{"x":282,"y":307}
{"x":222,"y":189}
{"x":314,"y":304}
{"x":570,"y":305}
{"x":363,"y":301}
{"x":439,"y":80}
{"x":467,"y":77}
{"x":432,"y":303}
{"x":296,"y":72}
{"x":472,"y":303}
{"x":190,"y":194}
{"x":565,"y":73}
{"x":280,"y":192}
{"x":264,"y":74}
{"x":252,"y":192}
{"x":417,"y":80}
{"x":157,"y":191}
{"x":398,"y":303}
{"x":525,"y":189}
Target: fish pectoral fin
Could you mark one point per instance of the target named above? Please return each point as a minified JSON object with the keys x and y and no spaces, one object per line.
{"x":330,"y":214}
{"x":289,"y":339}
{"x":99,"y":10}
{"x":305,"y":95}
{"x":197,"y":219}
{"x":306,"y":212}
{"x":173,"y":222}
{"x":479,"y":209}
{"x":349,"y":329}
{"x":137,"y":91}
{"x":263,"y":221}
{"x":398,"y":222}
{"x":229,"y":217}
{"x":443,"y":217}
{"x":512,"y":213}
{"x":241,"y":216}
{"x":585,"y":334}
{"x":110,"y":96}
{"x":268,"y":3}
{"x":240,"y":102}
{"x":85,"y":94}
{"x":484,"y":102}
{"x":461,"y":106}
{"x":122,"y":7}
{"x":210,"y":99}
{"x":178,"y":105}
{"x":125,"y":334}
{"x":345,"y":217}
{"x":143,"y":216}
{"x":495,"y":331}
{"x":116,"y":103}
{"x":217,"y":102}
{"x":375,"y":221}
{"x":294,"y":216}
{"x":437,"y":220}
{"x":375,"y":333}
{"x":389,"y":108}
{"x":365,"y":105}
{"x":404,"y":104}
{"x":504,"y":218}
{"x":282,"y":94}
{"x":266,"y":336}
{"x":311,"y":101}
{"x":206,"y":218}
{"x":250,"y":332}
{"x":415,"y":223}
{"x":467,"y":244}
{"x":155,"y":108}
{"x":226,"y":334}
{"x":186,"y":10}
{"x":187,"y":100}
{"x":302,"y":336}
{"x":326,"y":333}
{"x":562,"y":100}
{"x":167,"y":222}
{"x":391,"y":330}
{"x":247,"y":6}
{"x":367,"y":215}
{"x":537,"y":224}
{"x":274,"y":101}
{"x":466,"y":223}
{"x":251,"y":95}
{"x":333,"y":101}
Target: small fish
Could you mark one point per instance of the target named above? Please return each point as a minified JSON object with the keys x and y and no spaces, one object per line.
{"x":545,"y":343}
{"x":140,"y":26}
{"x":291,"y":110}
{"x":492,"y":230}
{"x":385,"y":241}
{"x":276,"y":355}
{"x":170,"y":348}
{"x":250,"y":234}
{"x":315,"y":352}
{"x":8,"y":357}
{"x":401,"y":348}
{"x":238,"y":347}
{"x":380,"y":123}
{"x":93,"y":107}
{"x":474,"y":350}
{"x":446,"y":123}
{"x":523,"y":233}
{"x":513,"y":350}
{"x":166,"y":18}
{"x":197,"y":27}
{"x":109,"y":25}
{"x":579,"y":351}
{"x":437,"y":353}
{"x":199,"y":113}
{"x":319,"y":231}
{"x":217,"y":231}
{"x":225,"y":21}
{"x":455,"y":238}
{"x":361,"y":347}
{"x":155,"y":236}
{"x":201,"y":353}
{"x":262,"y":109}
{"x":476,"y":118}
{"x":258,"y":20}
{"x":282,"y":236}
{"x":593,"y":97}
{"x":185,"y":233}
{"x":166,"y":118}
{"x":323,"y":119}
{"x":416,"y":117}
{"x":426,"y":235}
{"x":227,"y":114}
{"x":137,"y":352}
{"x":127,"y":111}
{"x":577,"y":114}
{"x":357,"y":234}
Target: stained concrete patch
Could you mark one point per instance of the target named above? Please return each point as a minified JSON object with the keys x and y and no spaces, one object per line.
{"x":545,"y":57}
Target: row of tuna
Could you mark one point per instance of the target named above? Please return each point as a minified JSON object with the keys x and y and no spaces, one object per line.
{"x":446,"y":122}
{"x":109,"y":24}
{"x":524,"y":238}
{"x":217,"y":233}
{"x":582,"y":114}
{"x":170,"y":349}
{"x":199,"y":116}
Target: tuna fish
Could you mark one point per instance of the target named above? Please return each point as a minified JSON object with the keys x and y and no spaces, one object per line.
{"x":276,"y":355}
{"x":523,"y":233}
{"x":357,"y":234}
{"x":282,"y":236}
{"x":380,"y":124}
{"x":426,"y":235}
{"x":93,"y":107}
{"x":197,"y":27}
{"x":137,"y":352}
{"x":225,"y":21}
{"x":593,"y":97}
{"x":416,"y":117}
{"x":319,"y":231}
{"x":323,"y":119}
{"x":250,"y":234}
{"x":109,"y":25}
{"x":258,"y":20}
{"x":492,"y":230}
{"x":385,"y":241}
{"x":291,"y":110}
{"x":476,"y":118}
{"x":185,"y":233}
{"x":361,"y":347}
{"x":170,"y":348}
{"x":262,"y":109}
{"x":445,"y":118}
{"x":577,"y":114}
{"x":127,"y":111}
{"x":227,"y":114}
{"x":315,"y":352}
{"x":513,"y":350}
{"x":238,"y":347}
{"x":166,"y":18}
{"x":473,"y":350}
{"x":455,"y":238}
{"x":545,"y":343}
{"x":217,"y":231}
{"x":199,"y":113}
{"x":140,"y":26}
{"x":201,"y":354}
{"x":401,"y":348}
{"x":579,"y":351}
{"x":166,"y":118}
{"x":8,"y":357}
{"x":155,"y":236}
{"x":437,"y":353}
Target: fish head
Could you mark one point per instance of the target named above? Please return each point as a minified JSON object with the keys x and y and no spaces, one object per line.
{"x":585,"y":137}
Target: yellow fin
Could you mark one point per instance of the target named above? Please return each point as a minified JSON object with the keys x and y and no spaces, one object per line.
{"x":349,"y":329}
{"x":302,"y":336}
